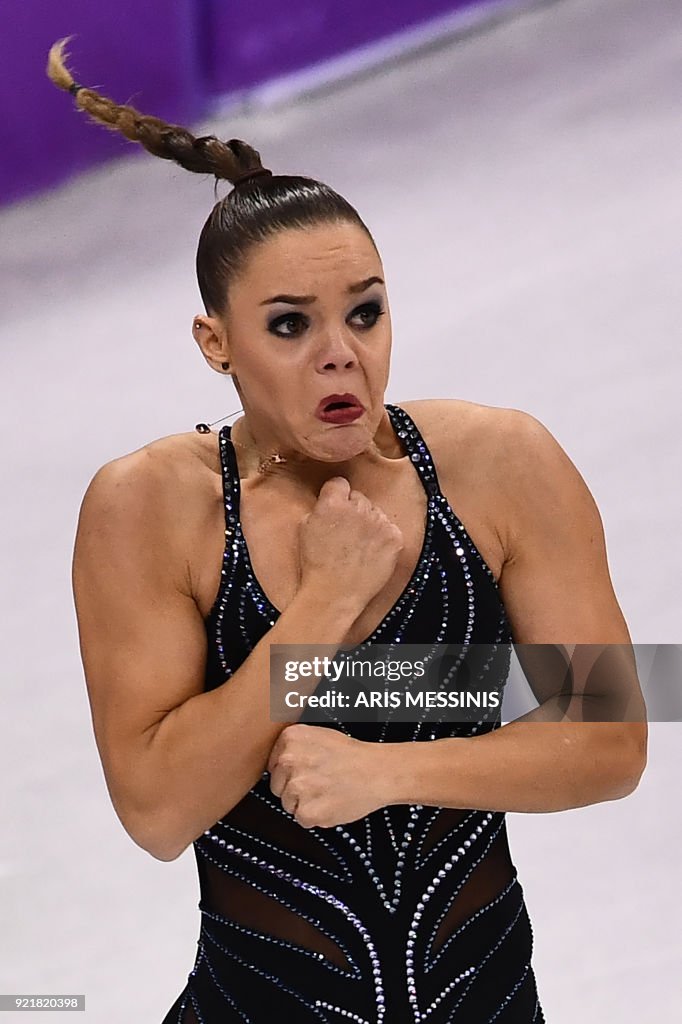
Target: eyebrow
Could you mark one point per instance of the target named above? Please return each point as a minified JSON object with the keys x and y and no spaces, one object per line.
{"x":305,"y":300}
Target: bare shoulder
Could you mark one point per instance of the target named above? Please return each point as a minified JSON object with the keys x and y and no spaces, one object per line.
{"x":513,"y":447}
{"x":499,"y":454}
{"x":456,"y":430}
{"x":148,"y":472}
{"x":152,"y":492}
{"x":555,"y":579}
{"x":162,"y":467}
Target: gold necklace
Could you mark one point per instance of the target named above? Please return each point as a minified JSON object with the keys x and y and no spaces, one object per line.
{"x":264,"y":463}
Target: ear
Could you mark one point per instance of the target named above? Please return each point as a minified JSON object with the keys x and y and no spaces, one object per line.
{"x":211,"y":337}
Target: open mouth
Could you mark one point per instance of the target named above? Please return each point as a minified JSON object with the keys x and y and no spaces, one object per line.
{"x":340,"y":410}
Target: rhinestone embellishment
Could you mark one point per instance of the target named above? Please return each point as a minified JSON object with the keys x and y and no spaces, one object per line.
{"x":378,"y":888}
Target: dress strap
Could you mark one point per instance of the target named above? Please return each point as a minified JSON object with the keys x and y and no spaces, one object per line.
{"x":230,"y":473}
{"x":416,"y":448}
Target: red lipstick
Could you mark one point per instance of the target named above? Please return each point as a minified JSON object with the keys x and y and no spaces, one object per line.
{"x":339,"y":408}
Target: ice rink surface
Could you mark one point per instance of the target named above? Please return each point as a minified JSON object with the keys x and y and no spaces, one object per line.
{"x":523,"y":186}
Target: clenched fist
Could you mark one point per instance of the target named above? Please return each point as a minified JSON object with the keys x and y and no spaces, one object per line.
{"x":323,"y":777}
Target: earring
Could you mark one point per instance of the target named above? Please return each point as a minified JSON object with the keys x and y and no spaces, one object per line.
{"x":225,"y":366}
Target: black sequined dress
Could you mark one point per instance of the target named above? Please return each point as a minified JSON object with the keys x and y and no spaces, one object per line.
{"x":410,"y":914}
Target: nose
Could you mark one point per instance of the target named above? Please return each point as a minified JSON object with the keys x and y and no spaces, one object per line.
{"x":336,"y":353}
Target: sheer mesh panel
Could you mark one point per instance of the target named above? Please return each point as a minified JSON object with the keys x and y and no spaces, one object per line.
{"x":238,"y":901}
{"x":486,"y":881}
{"x":189,"y":1016}
{"x":447,"y":820}
{"x":256,"y":817}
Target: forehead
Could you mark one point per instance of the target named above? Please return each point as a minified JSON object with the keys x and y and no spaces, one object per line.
{"x":334,"y":250}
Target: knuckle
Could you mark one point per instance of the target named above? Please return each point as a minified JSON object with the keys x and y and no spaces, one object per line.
{"x":335,"y":483}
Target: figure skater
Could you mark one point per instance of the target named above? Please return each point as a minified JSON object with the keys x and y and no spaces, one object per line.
{"x":348,"y":871}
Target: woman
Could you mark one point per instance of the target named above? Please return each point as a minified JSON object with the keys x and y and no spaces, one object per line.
{"x":356,"y":872}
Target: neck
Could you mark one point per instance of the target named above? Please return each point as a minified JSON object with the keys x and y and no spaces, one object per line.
{"x":253,"y":448}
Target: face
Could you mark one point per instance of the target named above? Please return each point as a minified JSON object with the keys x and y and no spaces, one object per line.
{"x":307,"y":321}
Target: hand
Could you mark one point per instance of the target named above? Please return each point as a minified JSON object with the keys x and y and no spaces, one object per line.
{"x":323,"y":777}
{"x":348,"y":546}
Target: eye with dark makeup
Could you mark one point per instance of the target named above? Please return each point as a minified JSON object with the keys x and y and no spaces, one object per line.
{"x":372,"y":309}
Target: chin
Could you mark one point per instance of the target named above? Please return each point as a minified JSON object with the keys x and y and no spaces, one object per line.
{"x":342,"y":445}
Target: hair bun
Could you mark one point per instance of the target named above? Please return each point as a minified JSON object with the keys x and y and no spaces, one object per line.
{"x":253,"y":173}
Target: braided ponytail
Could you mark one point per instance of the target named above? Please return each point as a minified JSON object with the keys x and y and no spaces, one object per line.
{"x":247,"y":216}
{"x":204,"y":154}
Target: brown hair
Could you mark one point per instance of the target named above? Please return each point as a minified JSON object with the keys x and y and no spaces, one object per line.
{"x":257,"y":208}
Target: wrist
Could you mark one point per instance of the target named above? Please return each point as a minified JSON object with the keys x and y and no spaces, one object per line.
{"x":341,"y":608}
{"x":406,"y":771}
{"x":389,"y":772}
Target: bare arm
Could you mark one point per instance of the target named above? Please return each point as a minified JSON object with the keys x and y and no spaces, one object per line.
{"x":176,"y":759}
{"x":557,"y":590}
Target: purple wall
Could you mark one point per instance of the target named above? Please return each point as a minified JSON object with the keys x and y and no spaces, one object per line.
{"x":251,"y":43}
{"x":166,"y":57}
{"x":142,"y":52}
